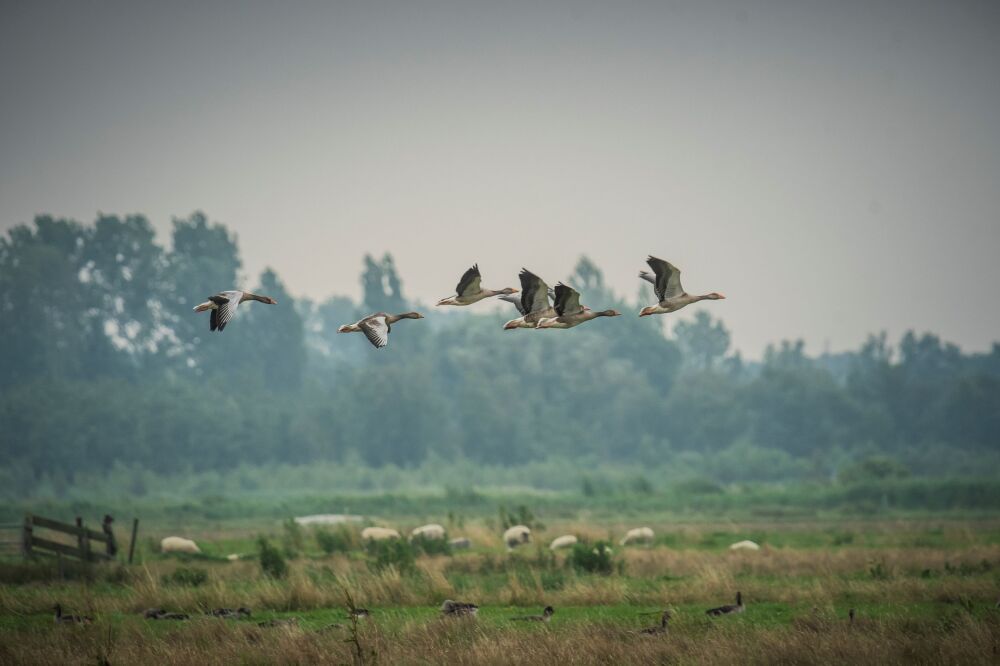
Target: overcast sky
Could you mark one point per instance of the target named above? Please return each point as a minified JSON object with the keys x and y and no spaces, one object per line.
{"x":832,"y":167}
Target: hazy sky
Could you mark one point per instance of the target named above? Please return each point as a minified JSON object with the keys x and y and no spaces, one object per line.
{"x":832,"y":167}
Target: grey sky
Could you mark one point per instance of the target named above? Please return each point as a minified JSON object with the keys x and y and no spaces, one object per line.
{"x":832,"y":167}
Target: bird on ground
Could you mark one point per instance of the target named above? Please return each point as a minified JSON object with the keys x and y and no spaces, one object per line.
{"x":569,"y":312}
{"x":667,"y":285}
{"x":223,"y":306}
{"x":376,"y":327}
{"x":850,"y":615}
{"x":546,"y":615}
{"x":70,"y":619}
{"x":456,"y":608}
{"x":469,"y":290}
{"x":360,"y":613}
{"x":728,"y":609}
{"x":534,"y":302}
{"x":660,"y":628}
{"x":173,"y":616}
{"x":230,"y":614}
{"x":153,"y":613}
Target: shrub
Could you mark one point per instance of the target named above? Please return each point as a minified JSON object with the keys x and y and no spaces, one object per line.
{"x":187,"y":576}
{"x":292,"y":540}
{"x":391,"y":553}
{"x":430,"y":546}
{"x":342,"y":539}
{"x":272,"y":562}
{"x":596,"y":558}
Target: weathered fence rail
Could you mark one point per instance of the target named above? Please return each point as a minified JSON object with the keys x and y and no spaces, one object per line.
{"x":90,"y":544}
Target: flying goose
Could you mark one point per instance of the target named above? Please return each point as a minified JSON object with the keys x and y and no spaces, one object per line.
{"x":728,"y":609}
{"x":534,"y":302}
{"x":667,"y":285}
{"x":223,"y":306}
{"x":376,"y":327}
{"x":660,"y":628}
{"x":456,"y":608}
{"x":469,"y":290}
{"x":569,"y":312}
{"x":546,"y":615}
{"x":70,"y":619}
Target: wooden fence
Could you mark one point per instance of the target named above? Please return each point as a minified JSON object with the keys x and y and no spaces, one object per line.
{"x":90,"y":545}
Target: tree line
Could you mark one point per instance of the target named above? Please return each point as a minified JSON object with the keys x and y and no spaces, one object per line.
{"x":103,"y":362}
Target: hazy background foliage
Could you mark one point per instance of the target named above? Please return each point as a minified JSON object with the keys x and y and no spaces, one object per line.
{"x":107,"y":376}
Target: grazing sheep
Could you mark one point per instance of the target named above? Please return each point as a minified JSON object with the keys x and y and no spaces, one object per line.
{"x":461,"y":543}
{"x":565,"y":541}
{"x":328,"y":519}
{"x":517,"y":536}
{"x":744,"y":545}
{"x":637,"y":535}
{"x":432,"y":531}
{"x":379,"y":533}
{"x":174,"y":544}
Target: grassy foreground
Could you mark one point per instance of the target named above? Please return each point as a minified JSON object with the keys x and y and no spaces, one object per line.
{"x":924,"y":592}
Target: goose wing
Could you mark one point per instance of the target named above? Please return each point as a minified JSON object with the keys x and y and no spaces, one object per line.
{"x":648,"y":277}
{"x":469,"y":284}
{"x":227,"y":302}
{"x":515,"y":300}
{"x":534,"y":292}
{"x":567,"y":300}
{"x":668,"y":278}
{"x":376,"y":329}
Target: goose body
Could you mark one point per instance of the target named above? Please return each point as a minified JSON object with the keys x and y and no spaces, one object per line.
{"x":70,"y":619}
{"x":376,"y":327}
{"x":569,"y":312}
{"x":546,"y":615}
{"x":533,"y":304}
{"x":666,"y":281}
{"x":458,"y":608}
{"x":469,"y":290}
{"x":223,"y":306}
{"x":230,"y":614}
{"x":660,"y":628}
{"x":728,"y":609}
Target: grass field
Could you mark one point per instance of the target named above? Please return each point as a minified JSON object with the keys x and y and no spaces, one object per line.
{"x":924,"y":591}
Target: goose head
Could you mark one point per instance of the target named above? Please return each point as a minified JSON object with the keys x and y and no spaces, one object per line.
{"x":507,"y":291}
{"x":715,"y":296}
{"x":646,"y":311}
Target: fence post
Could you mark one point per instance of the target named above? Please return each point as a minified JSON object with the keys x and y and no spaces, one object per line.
{"x":83,"y":541}
{"x":26,"y":536}
{"x":111,"y":544}
{"x":131,"y":544}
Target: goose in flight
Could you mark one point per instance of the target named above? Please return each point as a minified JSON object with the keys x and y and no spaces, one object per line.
{"x":728,"y":609}
{"x":376,"y":326}
{"x":569,"y":312}
{"x":223,"y":306}
{"x":667,"y":285}
{"x":469,"y":290}
{"x":534,"y":302}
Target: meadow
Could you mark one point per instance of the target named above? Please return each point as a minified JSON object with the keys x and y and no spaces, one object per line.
{"x":924,"y":589}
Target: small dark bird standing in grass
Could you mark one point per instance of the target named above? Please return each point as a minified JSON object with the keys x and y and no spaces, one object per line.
{"x":546,"y":615}
{"x":728,"y":609}
{"x":660,"y":628}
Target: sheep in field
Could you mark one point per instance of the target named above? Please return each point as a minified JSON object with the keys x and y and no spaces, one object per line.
{"x":637,"y":535}
{"x":461,"y":543}
{"x":516,"y":536}
{"x":565,"y":541}
{"x":744,"y":545}
{"x":174,"y":544}
{"x":432,"y":531}
{"x":379,"y":533}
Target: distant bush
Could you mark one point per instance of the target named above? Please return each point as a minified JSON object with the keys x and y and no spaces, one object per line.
{"x":391,"y":553}
{"x":186,"y":576}
{"x":592,"y":558}
{"x":272,"y":562}
{"x":522,"y":516}
{"x":292,"y":540}
{"x":341,"y":539}
{"x":873,"y":468}
{"x":698,"y":487}
{"x":429,"y":546}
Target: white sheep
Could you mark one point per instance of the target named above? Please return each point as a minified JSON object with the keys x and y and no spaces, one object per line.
{"x":461,"y":543}
{"x":565,"y":541}
{"x":175,"y":544}
{"x":432,"y":531}
{"x":637,"y":535}
{"x":744,"y":545}
{"x":516,"y":536}
{"x":379,"y":533}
